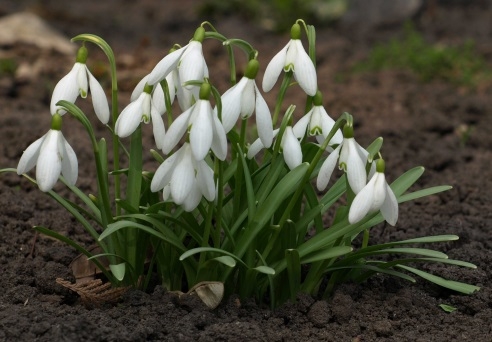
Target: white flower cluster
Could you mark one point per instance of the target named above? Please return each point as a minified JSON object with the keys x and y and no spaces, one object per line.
{"x":186,"y":176}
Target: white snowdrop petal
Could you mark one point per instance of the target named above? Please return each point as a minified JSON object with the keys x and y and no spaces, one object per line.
{"x":254,"y":148}
{"x":49,"y":166}
{"x":30,"y":156}
{"x":183,"y":177}
{"x":205,"y":179}
{"x":191,"y":67}
{"x":162,"y":175}
{"x":327,"y":168}
{"x":231,"y":105}
{"x":304,"y":70}
{"x":274,"y":68}
{"x":247,"y":99}
{"x":158,"y":128}
{"x":70,"y":165}
{"x":99,"y":99}
{"x":219,"y":140}
{"x":130,"y":118}
{"x":66,"y":89}
{"x":139,"y":88}
{"x":193,"y":198}
{"x":201,"y":133}
{"x":301,"y":126}
{"x":165,"y":66}
{"x":389,"y":209}
{"x":379,"y":191}
{"x":263,"y":120}
{"x":158,"y":100}
{"x":291,"y":149}
{"x":327,"y":124}
{"x":356,"y":170}
{"x":176,"y":131}
{"x":361,"y":203}
{"x":82,"y":80}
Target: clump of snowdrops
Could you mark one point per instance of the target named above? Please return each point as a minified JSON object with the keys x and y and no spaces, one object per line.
{"x":252,"y":215}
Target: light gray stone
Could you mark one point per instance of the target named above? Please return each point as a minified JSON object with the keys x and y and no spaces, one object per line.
{"x":27,"y":28}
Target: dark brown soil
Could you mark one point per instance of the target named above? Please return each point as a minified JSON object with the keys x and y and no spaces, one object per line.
{"x":419,"y":122}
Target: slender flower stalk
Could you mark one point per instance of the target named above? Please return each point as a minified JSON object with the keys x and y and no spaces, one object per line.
{"x":294,"y":58}
{"x":351,"y":158}
{"x":78,"y":82}
{"x":52,"y":156}
{"x":376,"y":195}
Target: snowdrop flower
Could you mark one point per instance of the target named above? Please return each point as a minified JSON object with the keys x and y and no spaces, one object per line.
{"x":291,"y":148}
{"x":205,"y":129}
{"x":147,"y":105}
{"x":184,"y":180}
{"x":242,"y":99}
{"x":78,"y":81}
{"x":351,"y":157}
{"x":189,"y":60}
{"x":317,"y":123}
{"x":376,"y":195}
{"x":294,"y":58}
{"x":52,"y":155}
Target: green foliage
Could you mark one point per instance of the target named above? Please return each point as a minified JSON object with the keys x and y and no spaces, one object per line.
{"x":460,"y":65}
{"x":264,"y":234}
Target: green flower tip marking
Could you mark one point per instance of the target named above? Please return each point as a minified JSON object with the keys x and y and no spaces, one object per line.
{"x":199,"y":35}
{"x":82,"y":54}
{"x":252,"y":69}
{"x":56,"y":122}
{"x":205,"y":90}
{"x":295,"y":31}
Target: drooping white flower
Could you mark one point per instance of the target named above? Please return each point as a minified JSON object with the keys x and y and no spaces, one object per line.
{"x":376,"y":195}
{"x":184,"y":180}
{"x":291,"y":148}
{"x":244,"y":98}
{"x":293,"y":58}
{"x":147,"y":105}
{"x":205,"y":129}
{"x":189,"y":60}
{"x":52,"y":156}
{"x":317,"y":123}
{"x":351,"y":158}
{"x":78,"y":82}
